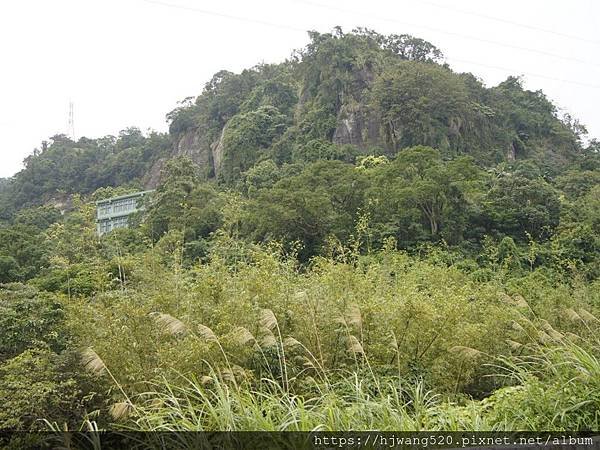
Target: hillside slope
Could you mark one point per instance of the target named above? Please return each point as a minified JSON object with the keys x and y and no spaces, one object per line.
{"x":365,"y":93}
{"x":341,"y":96}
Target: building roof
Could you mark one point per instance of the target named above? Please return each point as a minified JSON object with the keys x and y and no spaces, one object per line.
{"x":120,"y":197}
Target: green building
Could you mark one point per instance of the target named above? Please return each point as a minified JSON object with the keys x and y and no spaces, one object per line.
{"x":114,"y":212}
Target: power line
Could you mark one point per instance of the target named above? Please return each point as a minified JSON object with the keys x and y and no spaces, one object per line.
{"x":510,"y":22}
{"x":538,"y":75}
{"x":318,"y":5}
{"x":226,"y":16}
{"x":449,"y":33}
{"x":289,"y":27}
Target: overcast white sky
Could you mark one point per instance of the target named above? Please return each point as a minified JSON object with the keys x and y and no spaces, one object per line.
{"x":127,"y":62}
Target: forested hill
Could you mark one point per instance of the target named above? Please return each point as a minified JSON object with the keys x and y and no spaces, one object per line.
{"x":342,"y":96}
{"x":364,"y":93}
{"x":357,"y":238}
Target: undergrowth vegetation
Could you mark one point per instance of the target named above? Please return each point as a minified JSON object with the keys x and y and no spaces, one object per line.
{"x":377,"y":341}
{"x":357,"y":238}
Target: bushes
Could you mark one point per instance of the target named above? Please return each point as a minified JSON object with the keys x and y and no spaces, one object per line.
{"x":39,"y":384}
{"x":382,"y":340}
{"x":559,"y":389}
{"x":564,"y":394}
{"x":40,"y":373}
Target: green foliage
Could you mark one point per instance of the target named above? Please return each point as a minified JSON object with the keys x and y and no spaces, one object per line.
{"x":23,"y":245}
{"x":320,"y":149}
{"x":39,"y":377}
{"x":331,"y":342}
{"x":384,"y":244}
{"x":9,"y":269}
{"x":65,"y":167}
{"x":181,"y":204}
{"x":321,"y":201}
{"x":419,"y":196}
{"x":29,"y":319}
{"x":519,"y":203}
{"x":38,"y":385}
{"x":423,"y":104}
{"x":262,"y":175}
{"x":246,"y":136}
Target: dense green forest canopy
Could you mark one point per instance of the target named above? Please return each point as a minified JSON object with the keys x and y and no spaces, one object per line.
{"x":357,"y":212}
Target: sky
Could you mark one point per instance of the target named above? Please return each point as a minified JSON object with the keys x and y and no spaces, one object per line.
{"x":128,"y":62}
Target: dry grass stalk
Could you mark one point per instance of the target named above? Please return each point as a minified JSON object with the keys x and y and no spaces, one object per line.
{"x":465,"y":352}
{"x":227,"y":375}
{"x":544,"y":337}
{"x":572,"y":315}
{"x":206,"y":333}
{"x":394,"y":342}
{"x":169,"y":323}
{"x":353,"y":316}
{"x":242,"y":336}
{"x":514,"y":345}
{"x":267,"y":339}
{"x":307,"y":363}
{"x":587,"y":316}
{"x":267,"y":319}
{"x":572,"y":336}
{"x":517,"y":326}
{"x":551,"y":331}
{"x":92,"y":362}
{"x":120,"y":410}
{"x":520,"y":302}
{"x":355,"y":346}
{"x":239,"y":371}
{"x":291,"y":342}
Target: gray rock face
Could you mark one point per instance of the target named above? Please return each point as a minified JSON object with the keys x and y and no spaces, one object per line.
{"x":196,"y":145}
{"x":511,"y":155}
{"x":193,"y":145}
{"x":357,"y":123}
{"x":64,"y":203}
{"x":152,"y":178}
{"x":217,"y":150}
{"x":358,"y":126}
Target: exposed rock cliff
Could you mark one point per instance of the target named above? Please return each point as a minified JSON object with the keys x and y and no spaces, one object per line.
{"x":196,"y":145}
{"x":359,"y":126}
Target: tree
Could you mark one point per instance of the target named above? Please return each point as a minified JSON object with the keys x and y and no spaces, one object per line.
{"x":263,"y":175}
{"x":245,"y":138}
{"x":419,"y":186}
{"x":30,"y":319}
{"x":422,"y":104}
{"x":323,"y":200}
{"x":170,"y":201}
{"x":9,"y":269}
{"x":39,"y":384}
{"x":517,"y":203}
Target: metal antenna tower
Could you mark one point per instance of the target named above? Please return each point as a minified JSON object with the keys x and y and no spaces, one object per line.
{"x":71,"y":130}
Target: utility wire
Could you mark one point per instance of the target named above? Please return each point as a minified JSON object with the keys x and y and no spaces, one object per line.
{"x":538,"y":75}
{"x":449,"y":33}
{"x":510,"y":22}
{"x":226,"y":16}
{"x":289,"y":27}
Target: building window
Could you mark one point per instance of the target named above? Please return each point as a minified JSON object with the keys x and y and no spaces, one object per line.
{"x":120,"y":222}
{"x":125,"y":205}
{"x":104,"y":226}
{"x":122,"y":208}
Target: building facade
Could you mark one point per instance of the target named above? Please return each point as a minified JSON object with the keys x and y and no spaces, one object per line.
{"x":115,"y":212}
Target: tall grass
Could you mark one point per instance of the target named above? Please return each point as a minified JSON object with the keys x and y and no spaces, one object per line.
{"x":383,"y":342}
{"x":554,"y":385}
